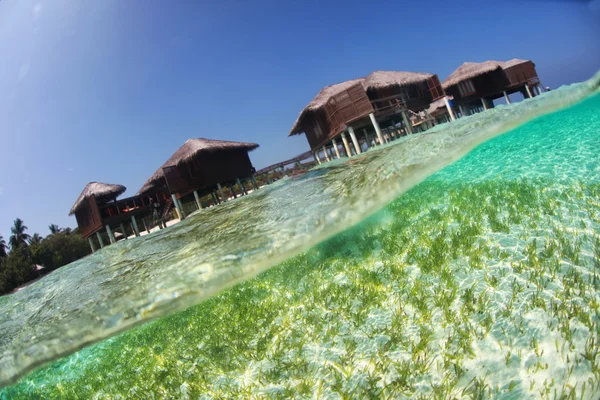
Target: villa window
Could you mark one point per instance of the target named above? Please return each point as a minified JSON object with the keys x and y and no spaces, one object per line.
{"x":466,"y":88}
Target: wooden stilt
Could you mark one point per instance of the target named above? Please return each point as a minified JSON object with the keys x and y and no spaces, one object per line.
{"x":92,"y":244}
{"x":111,"y":236}
{"x":506,"y":97}
{"x":407,"y":123}
{"x":528,"y":91}
{"x":325,"y":153}
{"x":123,"y":231}
{"x":315,"y":155}
{"x":335,"y":148}
{"x":483,"y":102}
{"x":198,"y":202}
{"x":450,"y":112}
{"x":254,"y":184}
{"x":177,"y":207}
{"x":136,"y":230}
{"x":242,"y":188}
{"x":145,"y":225}
{"x":221,"y":192}
{"x":377,"y":128}
{"x":99,"y":236}
{"x":354,"y":140}
{"x":346,"y":146}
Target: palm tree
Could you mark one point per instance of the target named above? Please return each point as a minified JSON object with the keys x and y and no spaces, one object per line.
{"x":2,"y":247}
{"x":35,"y":239}
{"x":18,"y":237}
{"x":54,"y":228}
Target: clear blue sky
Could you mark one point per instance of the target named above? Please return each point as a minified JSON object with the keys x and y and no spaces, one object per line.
{"x":107,"y":90}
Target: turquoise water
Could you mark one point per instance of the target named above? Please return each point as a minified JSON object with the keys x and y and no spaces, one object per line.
{"x":479,"y":280}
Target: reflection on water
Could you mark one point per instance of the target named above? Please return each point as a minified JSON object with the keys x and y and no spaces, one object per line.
{"x":136,"y":280}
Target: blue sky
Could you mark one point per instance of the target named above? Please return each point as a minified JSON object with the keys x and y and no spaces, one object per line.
{"x":107,"y":90}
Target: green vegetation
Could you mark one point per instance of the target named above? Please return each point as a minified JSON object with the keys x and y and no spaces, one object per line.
{"x":451,"y":291}
{"x":17,"y":266}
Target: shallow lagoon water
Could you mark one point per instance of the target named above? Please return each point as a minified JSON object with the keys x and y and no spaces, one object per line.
{"x":481,"y":279}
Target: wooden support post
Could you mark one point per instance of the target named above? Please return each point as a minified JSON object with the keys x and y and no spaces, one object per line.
{"x":136,"y":230}
{"x":407,"y":123}
{"x":269,"y":181}
{"x":254,"y":184}
{"x":315,"y":155}
{"x":377,"y":128}
{"x":450,"y":112}
{"x":99,"y":236}
{"x":326,"y":155}
{"x":214,"y":197}
{"x":242,"y":188}
{"x":92,"y":244}
{"x":198,"y":202}
{"x":111,"y":236}
{"x":366,"y":138}
{"x":177,"y":207}
{"x":428,"y":119}
{"x":145,"y":225}
{"x":123,"y":231}
{"x":233,"y":191}
{"x":346,"y":146}
{"x":528,"y":91}
{"x":540,"y":89}
{"x":221,"y":192}
{"x":462,"y":110}
{"x":483,"y":102}
{"x":181,"y":208}
{"x":354,"y":140}
{"x":335,"y":148}
{"x":506,"y":97}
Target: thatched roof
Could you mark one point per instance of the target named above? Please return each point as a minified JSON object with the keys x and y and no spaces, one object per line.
{"x":385,"y":79}
{"x":99,"y":190}
{"x":470,"y":70}
{"x":375,"y":80}
{"x":513,"y":62}
{"x":189,"y":150}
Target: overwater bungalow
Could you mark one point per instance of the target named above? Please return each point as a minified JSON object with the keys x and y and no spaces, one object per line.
{"x":361,"y":107}
{"x":474,"y":86}
{"x":97,"y":208}
{"x":201,"y":167}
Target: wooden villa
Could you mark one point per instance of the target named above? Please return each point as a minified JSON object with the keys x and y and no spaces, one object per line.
{"x":198,"y":168}
{"x":97,"y":208}
{"x":474,"y":86}
{"x":383,"y":98}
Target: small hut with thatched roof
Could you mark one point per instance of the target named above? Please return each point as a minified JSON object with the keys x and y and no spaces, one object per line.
{"x":200,"y":167}
{"x":383,"y":97}
{"x":97,"y":208}
{"x":474,"y":86}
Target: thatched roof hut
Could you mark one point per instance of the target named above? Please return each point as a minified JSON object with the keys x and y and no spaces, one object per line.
{"x":470,"y":70}
{"x":102,"y":192}
{"x":192,"y":149}
{"x":376,"y":80}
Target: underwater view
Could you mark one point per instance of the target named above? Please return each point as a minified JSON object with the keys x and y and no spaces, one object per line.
{"x":462,"y":262}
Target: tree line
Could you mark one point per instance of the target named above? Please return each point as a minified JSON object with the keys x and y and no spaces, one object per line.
{"x":22,"y":254}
